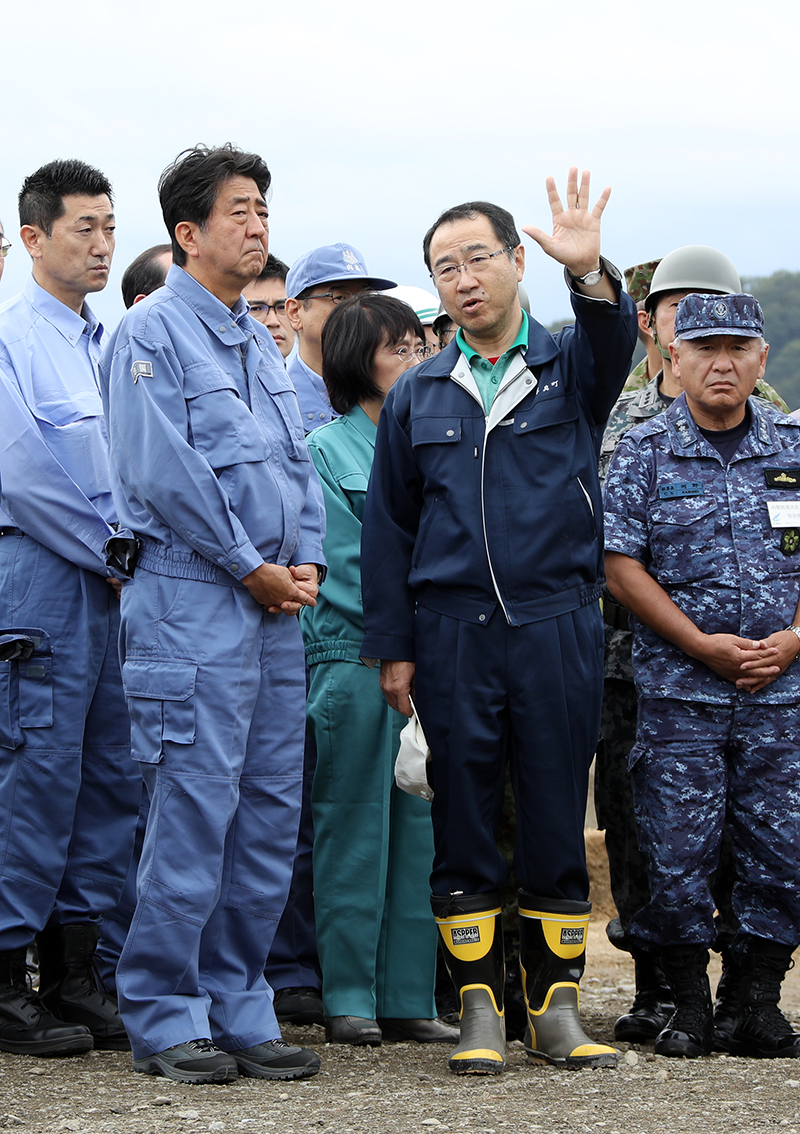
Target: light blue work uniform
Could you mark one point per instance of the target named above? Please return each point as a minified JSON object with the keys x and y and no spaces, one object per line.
{"x":373,"y":844}
{"x":213,"y":474}
{"x":312,"y":397}
{"x":68,"y":791}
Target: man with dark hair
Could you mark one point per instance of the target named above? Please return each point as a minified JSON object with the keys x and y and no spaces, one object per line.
{"x":146,"y":273}
{"x":267,"y":298}
{"x":317,"y":281}
{"x":68,"y":788}
{"x":481,"y":571}
{"x":213,"y":474}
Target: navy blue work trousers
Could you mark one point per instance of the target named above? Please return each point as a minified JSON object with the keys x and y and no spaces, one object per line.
{"x":490,"y":694}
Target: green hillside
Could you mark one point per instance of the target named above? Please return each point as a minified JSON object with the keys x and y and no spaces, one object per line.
{"x":779,"y":296}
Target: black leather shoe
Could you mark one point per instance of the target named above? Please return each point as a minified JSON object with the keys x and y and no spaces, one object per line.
{"x":26,"y":1027}
{"x":354,"y":1030}
{"x":298,"y":1006}
{"x":420,"y":1031}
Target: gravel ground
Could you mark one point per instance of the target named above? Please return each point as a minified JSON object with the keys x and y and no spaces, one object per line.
{"x":406,"y":1087}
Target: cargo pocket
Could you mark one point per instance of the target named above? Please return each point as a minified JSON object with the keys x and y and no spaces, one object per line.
{"x":26,"y":684}
{"x":161,"y":702}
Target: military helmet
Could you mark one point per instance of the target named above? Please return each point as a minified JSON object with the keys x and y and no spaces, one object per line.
{"x":694,"y":268}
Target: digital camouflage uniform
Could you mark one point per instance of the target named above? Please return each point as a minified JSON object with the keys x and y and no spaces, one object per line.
{"x":703,"y":531}
{"x":639,"y":401}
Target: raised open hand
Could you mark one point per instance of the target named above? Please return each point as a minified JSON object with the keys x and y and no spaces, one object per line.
{"x":575,"y":242}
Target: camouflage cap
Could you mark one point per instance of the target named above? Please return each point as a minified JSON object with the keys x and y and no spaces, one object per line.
{"x":638,"y":278}
{"x":699,"y":316}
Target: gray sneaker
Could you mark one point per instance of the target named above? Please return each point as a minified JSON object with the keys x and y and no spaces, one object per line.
{"x":197,"y":1061}
{"x":276,"y":1059}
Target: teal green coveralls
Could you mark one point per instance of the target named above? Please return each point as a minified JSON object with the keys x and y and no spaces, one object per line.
{"x":373,"y":844}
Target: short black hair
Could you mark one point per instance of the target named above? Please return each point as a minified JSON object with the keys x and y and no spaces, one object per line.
{"x":501,"y":221}
{"x":274,"y":269}
{"x":352,"y":334}
{"x":41,"y":198}
{"x":145,"y":274}
{"x":188,"y":188}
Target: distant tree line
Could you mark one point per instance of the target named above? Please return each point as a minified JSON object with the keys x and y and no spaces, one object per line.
{"x":779,"y":296}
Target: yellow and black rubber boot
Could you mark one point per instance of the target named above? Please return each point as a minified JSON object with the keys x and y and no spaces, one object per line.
{"x":552,"y":953}
{"x":473,"y":949}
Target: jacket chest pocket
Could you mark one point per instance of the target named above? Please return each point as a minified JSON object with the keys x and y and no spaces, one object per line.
{"x":222,"y":427}
{"x":162,"y":706}
{"x":283,"y":398}
{"x":682,"y":539}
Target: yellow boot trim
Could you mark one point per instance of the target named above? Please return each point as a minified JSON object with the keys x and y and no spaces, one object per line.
{"x":563,"y":984}
{"x":565,"y":934}
{"x":468,"y":937}
{"x":485,"y":987}
{"x":478,"y":1053}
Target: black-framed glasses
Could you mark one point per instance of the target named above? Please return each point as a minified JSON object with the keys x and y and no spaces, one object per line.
{"x":333,"y":296}
{"x":448,"y":273}
{"x":4,"y":246}
{"x":258,"y":305}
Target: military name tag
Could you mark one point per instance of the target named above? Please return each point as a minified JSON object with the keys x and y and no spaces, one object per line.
{"x":784,"y":513}
{"x":782,"y":478}
{"x":680,"y":488}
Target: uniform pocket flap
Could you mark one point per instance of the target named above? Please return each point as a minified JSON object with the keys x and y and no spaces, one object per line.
{"x":353,"y":482}
{"x":435,"y":430}
{"x":205,"y":379}
{"x":159,"y":680}
{"x":682,"y":510}
{"x":545,"y":412}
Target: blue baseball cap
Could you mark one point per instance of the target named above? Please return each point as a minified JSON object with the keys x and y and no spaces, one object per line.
{"x":332,"y":263}
{"x":699,"y":316}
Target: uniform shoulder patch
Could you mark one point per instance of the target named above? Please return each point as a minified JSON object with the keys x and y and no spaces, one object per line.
{"x":141,"y":370}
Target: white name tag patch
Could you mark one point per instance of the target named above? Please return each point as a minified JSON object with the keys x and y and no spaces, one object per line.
{"x":784,"y":513}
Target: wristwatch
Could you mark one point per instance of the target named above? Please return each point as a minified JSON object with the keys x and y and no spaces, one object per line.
{"x":796,"y":631}
{"x":591,"y":278}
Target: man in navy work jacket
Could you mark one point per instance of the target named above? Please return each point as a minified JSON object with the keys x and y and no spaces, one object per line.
{"x":481,"y":566}
{"x":215,"y":478}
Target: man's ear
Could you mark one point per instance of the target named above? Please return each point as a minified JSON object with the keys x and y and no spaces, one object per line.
{"x":33,"y":237}
{"x":187,"y":234}
{"x":294,"y":313}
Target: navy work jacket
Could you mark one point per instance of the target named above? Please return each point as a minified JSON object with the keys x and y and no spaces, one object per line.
{"x":467,"y":511}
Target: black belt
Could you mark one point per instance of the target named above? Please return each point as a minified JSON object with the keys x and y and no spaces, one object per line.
{"x":614,"y":614}
{"x":11,"y":531}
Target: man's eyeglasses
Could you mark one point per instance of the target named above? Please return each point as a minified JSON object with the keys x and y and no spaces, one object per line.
{"x":4,"y":246}
{"x":333,"y":296}
{"x":258,"y":306}
{"x":449,"y":273}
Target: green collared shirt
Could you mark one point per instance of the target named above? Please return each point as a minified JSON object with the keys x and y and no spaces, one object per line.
{"x":488,"y":377}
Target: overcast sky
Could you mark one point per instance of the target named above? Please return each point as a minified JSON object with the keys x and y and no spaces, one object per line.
{"x":374,"y":117}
